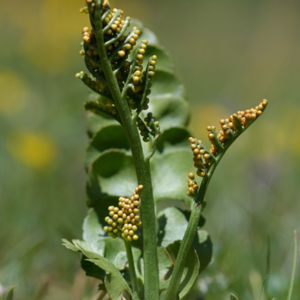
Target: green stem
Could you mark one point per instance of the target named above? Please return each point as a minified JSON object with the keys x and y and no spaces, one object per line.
{"x":191,"y":230}
{"x":142,"y":168}
{"x":131,"y":266}
{"x":293,"y":275}
{"x":189,"y":234}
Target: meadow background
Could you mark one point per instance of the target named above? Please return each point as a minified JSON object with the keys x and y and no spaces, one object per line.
{"x":229,"y":54}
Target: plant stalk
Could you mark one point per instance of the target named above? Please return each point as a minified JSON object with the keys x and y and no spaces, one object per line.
{"x":191,"y":230}
{"x":131,"y":266}
{"x":293,"y":274}
{"x":142,"y":167}
{"x":189,"y":234}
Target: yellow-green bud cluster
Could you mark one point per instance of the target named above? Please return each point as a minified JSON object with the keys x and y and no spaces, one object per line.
{"x":86,"y":34}
{"x":202,"y":157}
{"x":148,"y":127}
{"x":139,"y":77}
{"x":124,"y":220}
{"x":129,"y":42}
{"x":192,"y":185}
{"x":138,"y":68}
{"x":231,"y":128}
{"x":118,"y":39}
{"x":133,"y":75}
{"x":100,"y":107}
{"x":114,"y":21}
{"x":239,"y":121}
{"x":141,"y":80}
{"x":152,"y":66}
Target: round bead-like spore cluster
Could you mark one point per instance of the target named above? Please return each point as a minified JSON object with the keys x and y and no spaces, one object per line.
{"x":192,"y":185}
{"x":132,"y":67}
{"x":141,"y":79}
{"x":119,"y":38}
{"x":124,"y":220}
{"x":231,"y":128}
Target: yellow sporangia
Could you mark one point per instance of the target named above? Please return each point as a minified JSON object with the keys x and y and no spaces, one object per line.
{"x":34,"y":150}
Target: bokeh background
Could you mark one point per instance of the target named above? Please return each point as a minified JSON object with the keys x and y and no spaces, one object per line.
{"x":229,"y":54}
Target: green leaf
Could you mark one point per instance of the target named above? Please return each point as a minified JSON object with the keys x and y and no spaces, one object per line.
{"x":233,"y":297}
{"x":92,"y":270}
{"x":172,"y":225}
{"x":165,"y":63}
{"x":170,"y":109}
{"x":96,"y":198}
{"x":204,"y":248}
{"x":8,"y":294}
{"x":190,"y":272}
{"x":116,"y":174}
{"x":69,"y":245}
{"x":112,"y":136}
{"x":173,"y":139}
{"x":115,"y":277}
{"x":93,"y":232}
{"x":115,"y":284}
{"x":115,"y":252}
{"x":109,"y":162}
{"x":89,"y":268}
{"x":165,"y":83}
{"x":165,"y":263}
{"x":115,"y":289}
{"x":170,"y":172}
{"x":96,"y":122}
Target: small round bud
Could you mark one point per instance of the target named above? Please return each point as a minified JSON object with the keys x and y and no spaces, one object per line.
{"x":151,"y":73}
{"x":121,"y":53}
{"x":136,"y":79}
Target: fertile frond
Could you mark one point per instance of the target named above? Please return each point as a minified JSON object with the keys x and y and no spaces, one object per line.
{"x":126,"y":55}
{"x":231,"y":128}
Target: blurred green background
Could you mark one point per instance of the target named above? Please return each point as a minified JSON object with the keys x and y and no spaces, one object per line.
{"x":229,"y":54}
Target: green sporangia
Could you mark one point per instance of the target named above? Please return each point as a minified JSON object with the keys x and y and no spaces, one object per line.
{"x":143,"y":236}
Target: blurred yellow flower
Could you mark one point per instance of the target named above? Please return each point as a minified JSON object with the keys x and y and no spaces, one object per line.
{"x":49,"y":33}
{"x":14,"y":93}
{"x":32,"y":149}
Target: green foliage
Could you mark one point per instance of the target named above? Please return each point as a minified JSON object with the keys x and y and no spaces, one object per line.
{"x":112,"y":277}
{"x":138,"y":137}
{"x":172,"y":226}
{"x":110,"y":165}
{"x":7,"y":294}
{"x":109,"y":157}
{"x":233,"y":297}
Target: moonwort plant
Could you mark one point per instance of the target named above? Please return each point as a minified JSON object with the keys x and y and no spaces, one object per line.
{"x":143,"y":236}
